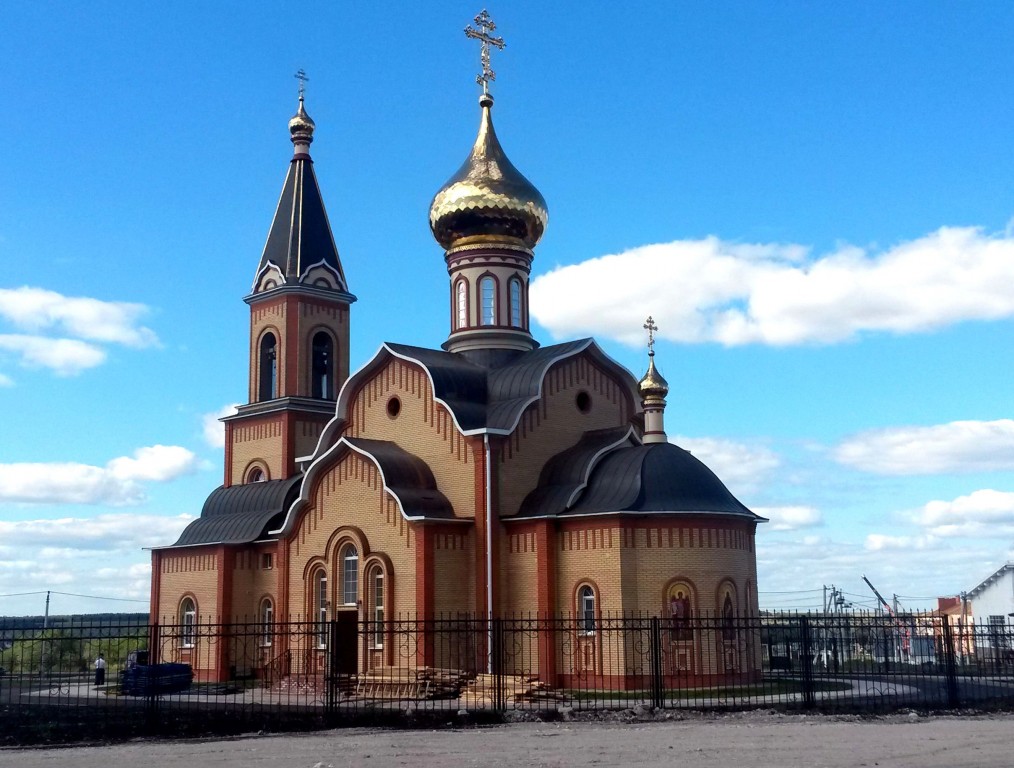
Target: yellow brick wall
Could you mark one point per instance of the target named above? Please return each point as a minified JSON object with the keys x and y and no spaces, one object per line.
{"x":454,"y":572}
{"x":306,"y":437}
{"x":261,"y":440}
{"x":422,"y":427}
{"x":555,"y":423}
{"x":518,"y":572}
{"x":192,"y":571}
{"x":252,"y":582}
{"x":351,"y":495}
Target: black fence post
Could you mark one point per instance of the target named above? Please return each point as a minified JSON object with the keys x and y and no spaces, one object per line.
{"x":331,"y":668}
{"x":806,"y":650}
{"x":950,"y":667}
{"x":655,"y":646}
{"x":154,"y":657}
{"x":497,"y":663}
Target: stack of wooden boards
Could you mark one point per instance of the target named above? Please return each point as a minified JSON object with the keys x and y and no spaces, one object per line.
{"x":517,"y":690}
{"x":410,"y":683}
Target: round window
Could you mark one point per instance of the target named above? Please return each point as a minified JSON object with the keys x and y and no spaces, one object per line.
{"x":583,"y":401}
{"x":393,"y":407}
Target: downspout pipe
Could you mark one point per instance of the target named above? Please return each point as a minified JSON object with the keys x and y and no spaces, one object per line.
{"x":489,"y":555}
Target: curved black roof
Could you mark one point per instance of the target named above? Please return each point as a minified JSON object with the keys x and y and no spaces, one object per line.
{"x":408,"y":477}
{"x":493,"y":397}
{"x":644,"y":479}
{"x":240,"y":514}
{"x":659,"y":477}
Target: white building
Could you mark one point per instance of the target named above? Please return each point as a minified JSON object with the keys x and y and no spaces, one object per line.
{"x":993,"y":606}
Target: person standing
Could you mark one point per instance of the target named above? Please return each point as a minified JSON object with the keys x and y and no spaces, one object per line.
{"x":100,"y":671}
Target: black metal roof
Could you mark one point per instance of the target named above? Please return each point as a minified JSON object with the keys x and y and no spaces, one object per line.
{"x":408,"y":477}
{"x":240,"y":514}
{"x":493,"y":397}
{"x":300,"y":234}
{"x":643,"y":479}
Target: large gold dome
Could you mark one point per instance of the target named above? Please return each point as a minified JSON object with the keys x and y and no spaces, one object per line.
{"x":301,"y":126}
{"x":488,"y":199}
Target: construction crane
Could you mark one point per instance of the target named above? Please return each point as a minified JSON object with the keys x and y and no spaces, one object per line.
{"x":880,"y":597}
{"x":901,"y":632}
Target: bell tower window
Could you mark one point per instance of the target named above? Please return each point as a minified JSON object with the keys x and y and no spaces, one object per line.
{"x":515,"y":295}
{"x":268,"y":389}
{"x":487,"y":297}
{"x":322,"y":369}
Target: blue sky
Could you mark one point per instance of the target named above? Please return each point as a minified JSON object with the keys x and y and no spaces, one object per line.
{"x":814,"y":202}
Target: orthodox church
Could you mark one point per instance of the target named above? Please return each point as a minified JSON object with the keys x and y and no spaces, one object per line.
{"x":492,"y":476}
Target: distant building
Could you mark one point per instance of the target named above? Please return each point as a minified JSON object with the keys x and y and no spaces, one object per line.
{"x":489,"y":477}
{"x":992,"y":604}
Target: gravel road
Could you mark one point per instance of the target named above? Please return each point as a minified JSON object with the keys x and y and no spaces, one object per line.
{"x":747,"y":740}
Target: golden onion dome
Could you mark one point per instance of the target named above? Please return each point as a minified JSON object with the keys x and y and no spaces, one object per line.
{"x":488,"y":199}
{"x":301,"y":125}
{"x":653,"y":385}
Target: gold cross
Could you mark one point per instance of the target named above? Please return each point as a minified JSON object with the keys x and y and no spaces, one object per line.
{"x":485,"y":25}
{"x":303,"y":80}
{"x":650,"y":327}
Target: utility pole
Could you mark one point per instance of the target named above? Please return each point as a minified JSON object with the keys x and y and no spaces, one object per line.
{"x":45,"y":619}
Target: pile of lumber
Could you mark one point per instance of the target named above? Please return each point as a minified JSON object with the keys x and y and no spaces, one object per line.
{"x":517,"y":690}
{"x":410,"y":683}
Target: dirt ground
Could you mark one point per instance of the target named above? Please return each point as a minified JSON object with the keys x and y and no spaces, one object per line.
{"x":747,"y":740}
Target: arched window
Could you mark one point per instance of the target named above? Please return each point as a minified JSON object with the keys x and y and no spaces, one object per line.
{"x":728,"y":618}
{"x":586,"y":609}
{"x":350,"y":575}
{"x":322,"y":369}
{"x":267,"y":617}
{"x":320,"y":606}
{"x":268,"y":387}
{"x":515,"y":286}
{"x":376,"y":586}
{"x":461,"y":305}
{"x":188,"y":622}
{"x":487,"y":297}
{"x":256,"y":475}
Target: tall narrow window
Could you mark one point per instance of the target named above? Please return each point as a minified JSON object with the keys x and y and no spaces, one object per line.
{"x":268,"y":389}
{"x":267,"y":621}
{"x":515,"y":285}
{"x":188,"y":623}
{"x":320,"y":606}
{"x":350,"y":575}
{"x":461,"y":305}
{"x":586,"y":609}
{"x":377,"y":588}
{"x":487,"y":295}
{"x":322,"y":370}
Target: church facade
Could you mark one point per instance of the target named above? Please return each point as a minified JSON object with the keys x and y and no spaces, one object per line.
{"x":490,"y":477}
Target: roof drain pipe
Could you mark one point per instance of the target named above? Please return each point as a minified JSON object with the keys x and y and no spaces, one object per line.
{"x":489,"y":559}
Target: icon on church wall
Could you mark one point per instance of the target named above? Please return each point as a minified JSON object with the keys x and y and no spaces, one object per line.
{"x":678,"y":604}
{"x":728,"y":618}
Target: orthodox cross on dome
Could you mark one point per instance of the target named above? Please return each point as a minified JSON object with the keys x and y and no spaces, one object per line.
{"x":303,"y":80}
{"x":485,"y":25}
{"x":650,"y":327}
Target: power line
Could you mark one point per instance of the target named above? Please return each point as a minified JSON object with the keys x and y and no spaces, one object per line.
{"x":788,"y":592}
{"x":100,"y":597}
{"x":22,"y":594}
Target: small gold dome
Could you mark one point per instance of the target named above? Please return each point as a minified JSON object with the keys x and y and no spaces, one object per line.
{"x":301,"y":125}
{"x":488,"y":198}
{"x":653,"y":385}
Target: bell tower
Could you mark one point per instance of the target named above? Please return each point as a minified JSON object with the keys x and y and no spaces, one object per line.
{"x":299,"y":329}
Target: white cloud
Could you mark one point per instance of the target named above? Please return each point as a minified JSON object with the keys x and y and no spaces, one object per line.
{"x":101,"y":534}
{"x":778,"y":294}
{"x":37,"y":309}
{"x":981,"y":513}
{"x":214,"y":430}
{"x":6,"y":381}
{"x":64,"y":357}
{"x":118,"y":483}
{"x":959,"y":446}
{"x":790,"y":518}
{"x":742,"y":467}
{"x":879,"y":542}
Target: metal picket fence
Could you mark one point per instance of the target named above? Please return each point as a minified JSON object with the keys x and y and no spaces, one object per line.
{"x":199,"y":676}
